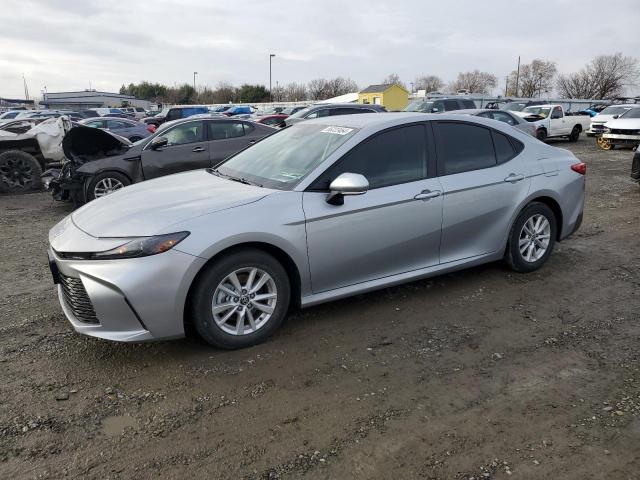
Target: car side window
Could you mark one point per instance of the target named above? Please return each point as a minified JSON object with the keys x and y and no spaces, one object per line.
{"x":463,"y":147}
{"x":319,"y":113}
{"x":504,"y":117}
{"x":173,"y":114}
{"x":184,"y":133}
{"x":389,"y":158}
{"x":450,"y":105}
{"x":225,"y":130}
{"x":557,"y":113}
{"x":117,"y":124}
{"x":504,"y":148}
{"x":95,"y":124}
{"x":468,"y":104}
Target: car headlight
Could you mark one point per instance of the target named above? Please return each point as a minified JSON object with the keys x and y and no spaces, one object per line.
{"x":138,"y":247}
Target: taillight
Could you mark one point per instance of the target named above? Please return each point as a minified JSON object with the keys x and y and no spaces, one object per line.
{"x":151,"y":128}
{"x":580,"y":168}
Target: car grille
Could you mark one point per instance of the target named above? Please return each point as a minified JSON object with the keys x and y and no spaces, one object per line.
{"x":77,"y":299}
{"x":618,"y":131}
{"x":635,"y":167}
{"x":598,"y":126}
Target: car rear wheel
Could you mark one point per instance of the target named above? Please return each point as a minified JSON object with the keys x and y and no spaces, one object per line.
{"x":106,"y":183}
{"x":19,"y":172}
{"x":241,"y":299}
{"x":532,"y":238}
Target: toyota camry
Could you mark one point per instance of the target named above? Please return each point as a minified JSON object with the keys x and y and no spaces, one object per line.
{"x":321,"y":210}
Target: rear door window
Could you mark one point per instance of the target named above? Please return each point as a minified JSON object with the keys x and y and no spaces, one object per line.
{"x":225,"y":130}
{"x":463,"y":147}
{"x":450,"y":105}
{"x":503,"y":146}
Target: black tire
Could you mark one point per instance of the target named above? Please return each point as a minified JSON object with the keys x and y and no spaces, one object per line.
{"x":513,"y":256}
{"x":135,"y":138}
{"x":19,"y":172}
{"x":202,"y":296}
{"x":575,"y":134}
{"x":105,"y":176}
{"x":541,"y":134}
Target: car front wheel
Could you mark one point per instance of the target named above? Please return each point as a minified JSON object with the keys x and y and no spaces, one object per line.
{"x":532,"y":238}
{"x":105,"y":183}
{"x":241,"y":299}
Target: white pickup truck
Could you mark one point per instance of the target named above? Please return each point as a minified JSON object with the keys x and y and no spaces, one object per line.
{"x":552,"y":121}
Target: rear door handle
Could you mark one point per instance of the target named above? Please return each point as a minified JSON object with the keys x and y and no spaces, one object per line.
{"x":428,"y":194}
{"x":198,"y":149}
{"x":513,"y":178}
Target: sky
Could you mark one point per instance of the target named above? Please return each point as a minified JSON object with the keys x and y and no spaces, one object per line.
{"x":69,"y":45}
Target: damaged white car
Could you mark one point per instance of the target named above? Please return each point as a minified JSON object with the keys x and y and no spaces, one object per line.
{"x":26,"y":147}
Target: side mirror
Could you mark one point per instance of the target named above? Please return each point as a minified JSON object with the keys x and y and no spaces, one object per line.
{"x":158,"y":142}
{"x":615,"y":116}
{"x":347,"y":184}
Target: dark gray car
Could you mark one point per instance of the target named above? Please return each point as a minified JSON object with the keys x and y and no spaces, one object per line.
{"x":101,"y":163}
{"x":502,"y":116}
{"x":129,"y":129}
{"x":332,"y":109}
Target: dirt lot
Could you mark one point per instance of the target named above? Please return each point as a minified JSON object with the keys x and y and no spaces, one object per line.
{"x":477,"y":374}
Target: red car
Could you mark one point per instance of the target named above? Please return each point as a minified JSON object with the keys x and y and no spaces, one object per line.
{"x":275,"y":120}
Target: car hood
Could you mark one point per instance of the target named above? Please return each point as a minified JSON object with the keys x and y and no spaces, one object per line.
{"x":82,"y":144}
{"x":601,"y":118}
{"x":624,"y":123}
{"x":151,"y":207}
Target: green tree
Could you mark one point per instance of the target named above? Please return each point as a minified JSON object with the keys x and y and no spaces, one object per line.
{"x":253,"y":93}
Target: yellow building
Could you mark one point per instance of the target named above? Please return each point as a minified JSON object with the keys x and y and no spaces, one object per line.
{"x":393,"y":97}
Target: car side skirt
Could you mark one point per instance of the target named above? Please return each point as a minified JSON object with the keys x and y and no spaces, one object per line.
{"x":390,"y":281}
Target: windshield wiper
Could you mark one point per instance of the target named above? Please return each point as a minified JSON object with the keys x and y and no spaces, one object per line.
{"x":218,"y":173}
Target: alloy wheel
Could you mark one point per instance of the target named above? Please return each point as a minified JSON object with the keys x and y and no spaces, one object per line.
{"x":244,"y":301}
{"x":106,"y":186}
{"x":16,"y":173}
{"x":535,"y":237}
{"x":603,"y":143}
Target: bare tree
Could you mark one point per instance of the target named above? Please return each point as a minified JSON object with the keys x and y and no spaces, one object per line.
{"x":340,"y":86}
{"x":393,"y":79}
{"x":430,"y":83}
{"x":475,"y":81}
{"x":535,"y":79}
{"x":318,"y":89}
{"x":606,"y":76}
{"x":224,"y":93}
{"x":295,"y":92}
{"x":278,"y":93}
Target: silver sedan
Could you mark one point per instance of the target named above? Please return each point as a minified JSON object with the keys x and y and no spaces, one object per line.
{"x":322,"y":210}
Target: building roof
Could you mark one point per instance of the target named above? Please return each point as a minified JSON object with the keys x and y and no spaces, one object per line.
{"x":380,"y":88}
{"x":346,"y":98}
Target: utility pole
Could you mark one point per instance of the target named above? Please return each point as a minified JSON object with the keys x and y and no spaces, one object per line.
{"x":271,"y":55}
{"x":518,"y":76}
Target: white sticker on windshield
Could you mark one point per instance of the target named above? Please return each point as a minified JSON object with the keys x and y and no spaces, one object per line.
{"x":337,"y":130}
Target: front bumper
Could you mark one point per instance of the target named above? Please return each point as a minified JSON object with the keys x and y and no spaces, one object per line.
{"x":596,"y":129}
{"x":133,"y":300}
{"x":621,"y":139}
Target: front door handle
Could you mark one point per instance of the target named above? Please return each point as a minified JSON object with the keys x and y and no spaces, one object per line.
{"x":251,"y":142}
{"x":428,"y":194}
{"x":513,"y":178}
{"x":198,"y":149}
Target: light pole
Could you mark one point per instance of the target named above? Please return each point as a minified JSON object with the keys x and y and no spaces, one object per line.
{"x":271,"y":55}
{"x":194,"y":81}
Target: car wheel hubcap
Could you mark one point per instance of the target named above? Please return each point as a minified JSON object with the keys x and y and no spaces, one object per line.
{"x":16,"y":173}
{"x":244,"y":301}
{"x":534,"y":238}
{"x":106,"y":186}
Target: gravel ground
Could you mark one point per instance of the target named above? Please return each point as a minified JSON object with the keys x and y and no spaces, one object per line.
{"x":478,"y":374}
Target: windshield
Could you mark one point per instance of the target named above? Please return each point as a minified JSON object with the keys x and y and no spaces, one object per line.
{"x":419,"y":106}
{"x":301,"y":113}
{"x":632,"y":113}
{"x":614,"y":110}
{"x":542,"y":111}
{"x":284,"y":158}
